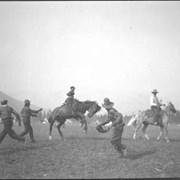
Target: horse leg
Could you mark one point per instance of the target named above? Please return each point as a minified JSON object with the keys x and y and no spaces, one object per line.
{"x":136,"y":129}
{"x":58,"y":128}
{"x":166,"y":132}
{"x":50,"y":129}
{"x":160,"y":134}
{"x":144,"y":130}
{"x":83,"y":121}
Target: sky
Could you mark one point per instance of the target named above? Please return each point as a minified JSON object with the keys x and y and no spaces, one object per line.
{"x":121,"y":50}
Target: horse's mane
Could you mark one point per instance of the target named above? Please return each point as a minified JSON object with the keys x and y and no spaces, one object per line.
{"x":87,"y":101}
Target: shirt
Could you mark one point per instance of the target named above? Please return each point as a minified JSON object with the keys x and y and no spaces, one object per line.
{"x":6,"y":112}
{"x":154,"y":101}
{"x":27,"y":113}
{"x":114,"y":116}
{"x":71,"y":93}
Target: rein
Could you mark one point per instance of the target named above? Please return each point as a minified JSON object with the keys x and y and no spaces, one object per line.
{"x":91,"y":107}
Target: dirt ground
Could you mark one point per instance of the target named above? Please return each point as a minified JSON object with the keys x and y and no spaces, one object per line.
{"x":89,"y":155}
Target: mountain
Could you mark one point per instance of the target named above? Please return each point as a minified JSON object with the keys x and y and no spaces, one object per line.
{"x":17,"y":105}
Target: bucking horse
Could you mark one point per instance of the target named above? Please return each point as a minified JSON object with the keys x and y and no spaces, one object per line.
{"x":62,"y":113}
{"x":145,"y":118}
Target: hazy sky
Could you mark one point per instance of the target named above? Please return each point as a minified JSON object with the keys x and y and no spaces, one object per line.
{"x":120,"y":50}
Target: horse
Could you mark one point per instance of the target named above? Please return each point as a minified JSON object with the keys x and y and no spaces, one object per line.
{"x":141,"y":118}
{"x":60,"y":114}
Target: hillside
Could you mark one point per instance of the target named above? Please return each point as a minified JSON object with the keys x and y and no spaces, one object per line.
{"x":14,"y":103}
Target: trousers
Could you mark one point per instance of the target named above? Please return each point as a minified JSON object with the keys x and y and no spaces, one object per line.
{"x":155,"y":112}
{"x":117,"y":137}
{"x":27,"y":129}
{"x":7,"y":123}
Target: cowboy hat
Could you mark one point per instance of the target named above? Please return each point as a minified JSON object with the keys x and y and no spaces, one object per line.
{"x":4,"y":102}
{"x":72,"y":87}
{"x":26,"y":101}
{"x":155,"y":91}
{"x":107,"y":103}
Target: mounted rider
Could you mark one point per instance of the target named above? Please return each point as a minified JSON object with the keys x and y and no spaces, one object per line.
{"x":155,"y":106}
{"x":71,"y":103}
{"x":70,"y":99}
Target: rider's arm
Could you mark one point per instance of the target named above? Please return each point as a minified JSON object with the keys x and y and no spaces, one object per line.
{"x":161,"y":104}
{"x":35,"y":111}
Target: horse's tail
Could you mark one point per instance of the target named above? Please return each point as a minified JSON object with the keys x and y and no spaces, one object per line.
{"x":133,"y":121}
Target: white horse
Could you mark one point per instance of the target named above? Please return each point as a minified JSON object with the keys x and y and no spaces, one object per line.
{"x":141,"y":119}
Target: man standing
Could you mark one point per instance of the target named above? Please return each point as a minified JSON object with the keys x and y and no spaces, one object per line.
{"x":5,"y":114}
{"x":155,"y":106}
{"x":117,"y":126}
{"x":26,"y":114}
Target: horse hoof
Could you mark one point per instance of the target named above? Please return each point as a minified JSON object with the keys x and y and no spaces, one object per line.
{"x":85,"y":131}
{"x":50,"y":137}
{"x":167,"y":140}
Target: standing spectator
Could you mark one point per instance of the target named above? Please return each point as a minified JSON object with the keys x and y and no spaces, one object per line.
{"x":26,"y":114}
{"x":7,"y":121}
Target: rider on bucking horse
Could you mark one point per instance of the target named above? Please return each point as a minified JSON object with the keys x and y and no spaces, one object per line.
{"x":155,"y":106}
{"x":70,"y":99}
{"x":71,"y":103}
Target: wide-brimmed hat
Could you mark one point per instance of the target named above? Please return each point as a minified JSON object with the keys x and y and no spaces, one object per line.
{"x":154,"y":91}
{"x":4,"y":102}
{"x":26,"y":101}
{"x":107,"y":103}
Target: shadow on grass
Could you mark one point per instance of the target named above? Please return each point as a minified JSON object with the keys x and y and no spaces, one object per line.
{"x":137,"y":155}
{"x":93,"y":138}
{"x":174,"y":140}
{"x":12,"y":150}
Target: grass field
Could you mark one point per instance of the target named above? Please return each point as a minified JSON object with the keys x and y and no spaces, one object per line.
{"x":89,"y":155}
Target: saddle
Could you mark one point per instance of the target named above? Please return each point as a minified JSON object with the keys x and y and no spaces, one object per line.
{"x":71,"y":103}
{"x":150,"y":115}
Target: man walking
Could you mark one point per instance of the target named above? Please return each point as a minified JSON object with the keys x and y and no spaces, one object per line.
{"x":117,"y":126}
{"x":5,"y":114}
{"x":26,"y":114}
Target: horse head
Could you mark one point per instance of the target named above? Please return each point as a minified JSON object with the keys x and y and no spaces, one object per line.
{"x":170,"y":107}
{"x":93,"y":108}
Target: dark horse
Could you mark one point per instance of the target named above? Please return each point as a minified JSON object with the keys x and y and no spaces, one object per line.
{"x":60,"y":114}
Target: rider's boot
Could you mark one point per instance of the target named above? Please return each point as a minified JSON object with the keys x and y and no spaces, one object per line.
{"x":156,"y":119}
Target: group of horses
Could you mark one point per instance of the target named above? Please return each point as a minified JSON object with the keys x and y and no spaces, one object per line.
{"x":62,"y":113}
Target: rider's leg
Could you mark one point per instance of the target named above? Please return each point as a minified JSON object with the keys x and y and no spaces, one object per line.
{"x":156,"y":115}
